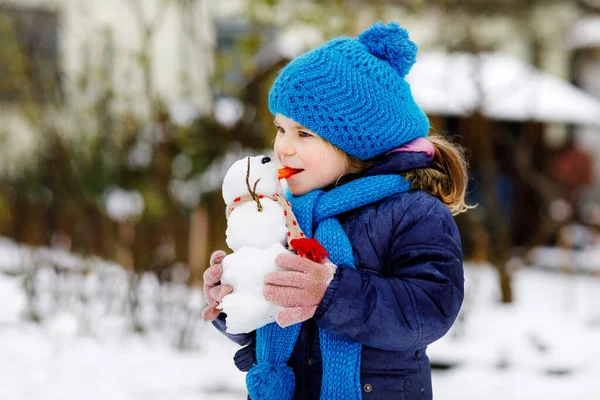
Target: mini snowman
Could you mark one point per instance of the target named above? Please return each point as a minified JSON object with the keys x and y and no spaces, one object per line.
{"x":260,"y":225}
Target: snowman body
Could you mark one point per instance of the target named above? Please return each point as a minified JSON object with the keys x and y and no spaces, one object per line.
{"x":256,"y":235}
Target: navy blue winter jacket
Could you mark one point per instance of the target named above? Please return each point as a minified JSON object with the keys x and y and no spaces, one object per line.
{"x":404,"y":294}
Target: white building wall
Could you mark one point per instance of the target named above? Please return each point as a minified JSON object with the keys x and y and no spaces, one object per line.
{"x":180,"y":54}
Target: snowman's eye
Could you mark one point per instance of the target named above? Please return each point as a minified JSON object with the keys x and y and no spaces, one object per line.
{"x":266,"y":160}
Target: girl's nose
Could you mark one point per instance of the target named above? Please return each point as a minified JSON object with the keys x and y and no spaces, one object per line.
{"x":284,"y":146}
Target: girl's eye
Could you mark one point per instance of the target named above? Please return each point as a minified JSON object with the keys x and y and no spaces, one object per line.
{"x":304,"y":134}
{"x":280,"y":129}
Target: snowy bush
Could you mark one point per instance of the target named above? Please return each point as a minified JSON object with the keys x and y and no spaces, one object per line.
{"x":103,"y":298}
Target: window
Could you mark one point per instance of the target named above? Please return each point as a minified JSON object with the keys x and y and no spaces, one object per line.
{"x":29,"y":65}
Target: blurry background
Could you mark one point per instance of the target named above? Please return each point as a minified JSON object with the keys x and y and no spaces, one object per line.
{"x":119,"y":118}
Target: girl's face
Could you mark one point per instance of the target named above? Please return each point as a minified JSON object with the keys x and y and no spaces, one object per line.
{"x":318,"y":162}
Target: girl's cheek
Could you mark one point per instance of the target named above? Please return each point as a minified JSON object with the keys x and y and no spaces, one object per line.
{"x":326,"y":166}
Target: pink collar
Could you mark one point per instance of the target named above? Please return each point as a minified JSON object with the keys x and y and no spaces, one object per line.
{"x":418,"y":145}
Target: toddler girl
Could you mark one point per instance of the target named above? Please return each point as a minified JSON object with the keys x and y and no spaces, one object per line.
{"x":365,"y":180}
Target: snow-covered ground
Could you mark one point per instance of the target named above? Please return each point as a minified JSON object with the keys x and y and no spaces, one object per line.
{"x":544,"y":346}
{"x":53,"y":361}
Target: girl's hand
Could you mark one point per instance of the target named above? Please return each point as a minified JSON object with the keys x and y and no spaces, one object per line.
{"x":300,"y":289}
{"x":213,"y":290}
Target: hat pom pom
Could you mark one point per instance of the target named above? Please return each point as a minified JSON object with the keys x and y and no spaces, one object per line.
{"x":391,"y":43}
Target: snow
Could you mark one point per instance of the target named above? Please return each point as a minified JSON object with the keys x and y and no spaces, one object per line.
{"x":228,"y":111}
{"x":122,"y":205}
{"x":41,"y":364}
{"x":544,"y":345}
{"x":582,"y":261}
{"x":182,"y":165}
{"x":586,"y":33}
{"x":502,"y":86}
{"x":247,"y":226}
{"x":58,"y":358}
{"x":245,"y":270}
{"x":183,"y":112}
{"x":580,"y":253}
{"x":141,"y":154}
{"x":256,"y":237}
{"x":297,"y":38}
{"x":243,"y":173}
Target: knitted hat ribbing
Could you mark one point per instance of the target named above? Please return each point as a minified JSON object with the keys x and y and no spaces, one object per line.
{"x":352,"y":92}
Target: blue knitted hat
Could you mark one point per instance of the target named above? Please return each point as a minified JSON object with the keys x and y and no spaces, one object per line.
{"x":352,"y":92}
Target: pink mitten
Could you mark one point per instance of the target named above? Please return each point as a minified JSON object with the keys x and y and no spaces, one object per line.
{"x":213,"y":290}
{"x":300,"y":289}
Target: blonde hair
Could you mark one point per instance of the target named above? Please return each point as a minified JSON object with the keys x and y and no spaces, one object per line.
{"x":447,"y":179}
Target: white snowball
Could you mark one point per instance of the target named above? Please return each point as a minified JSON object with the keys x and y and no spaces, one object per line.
{"x":235,"y":185}
{"x":256,"y":239}
{"x":244,"y":270}
{"x":249,"y":227}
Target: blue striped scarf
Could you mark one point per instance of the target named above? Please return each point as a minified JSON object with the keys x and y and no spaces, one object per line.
{"x":316,"y":212}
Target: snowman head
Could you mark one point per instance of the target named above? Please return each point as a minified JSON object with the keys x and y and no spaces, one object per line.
{"x":258,"y":174}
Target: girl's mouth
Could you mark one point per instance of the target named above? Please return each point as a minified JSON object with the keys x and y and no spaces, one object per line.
{"x":286,"y":172}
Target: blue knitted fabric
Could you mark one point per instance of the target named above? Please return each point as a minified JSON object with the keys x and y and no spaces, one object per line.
{"x":271,"y":378}
{"x":352,"y":92}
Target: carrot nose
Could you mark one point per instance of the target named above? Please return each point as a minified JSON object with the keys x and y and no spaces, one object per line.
{"x":286,"y":172}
